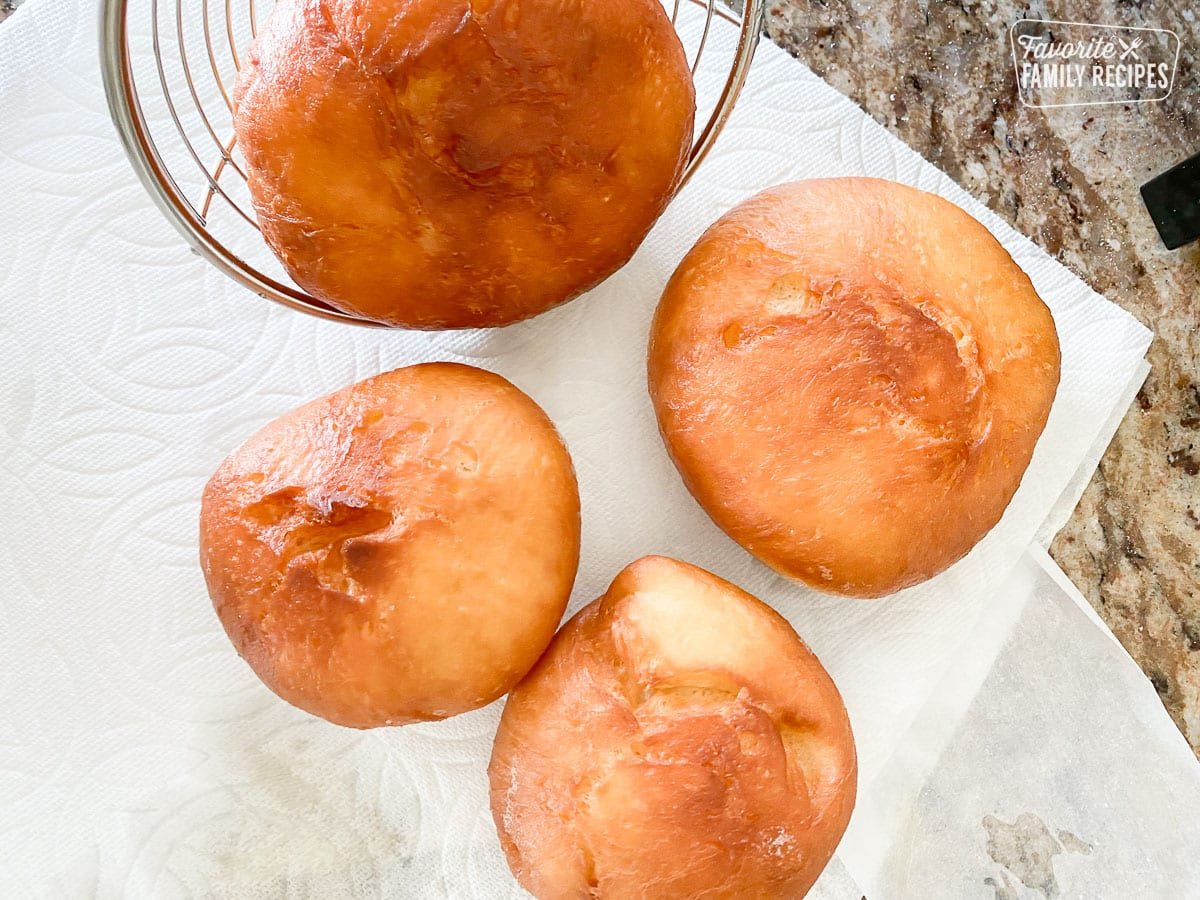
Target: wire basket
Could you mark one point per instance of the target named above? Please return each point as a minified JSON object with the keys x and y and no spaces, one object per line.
{"x":169,"y":68}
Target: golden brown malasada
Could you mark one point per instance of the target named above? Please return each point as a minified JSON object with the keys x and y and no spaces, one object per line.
{"x":398,"y":551}
{"x":461,"y":163}
{"x":678,"y":739}
{"x":851,"y":375}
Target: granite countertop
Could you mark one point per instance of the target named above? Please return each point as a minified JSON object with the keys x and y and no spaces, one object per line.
{"x":940,"y":76}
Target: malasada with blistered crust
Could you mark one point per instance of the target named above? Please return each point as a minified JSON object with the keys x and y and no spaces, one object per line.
{"x":401,"y":550}
{"x":461,"y":163}
{"x":851,"y":375}
{"x":677,"y":739}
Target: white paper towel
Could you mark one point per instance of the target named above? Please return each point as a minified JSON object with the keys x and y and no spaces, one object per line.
{"x":1089,"y":792}
{"x":139,"y":756}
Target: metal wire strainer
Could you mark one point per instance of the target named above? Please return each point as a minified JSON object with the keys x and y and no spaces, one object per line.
{"x":169,"y":68}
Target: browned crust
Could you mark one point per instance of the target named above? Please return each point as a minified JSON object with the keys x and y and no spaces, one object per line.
{"x":676,"y":740}
{"x":400,"y":550}
{"x":461,"y":163}
{"x":851,"y":375}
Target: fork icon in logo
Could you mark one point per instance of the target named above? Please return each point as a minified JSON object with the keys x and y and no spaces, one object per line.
{"x":1130,"y":48}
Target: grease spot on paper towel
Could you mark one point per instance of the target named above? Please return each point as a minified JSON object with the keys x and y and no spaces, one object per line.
{"x":1026,"y":848}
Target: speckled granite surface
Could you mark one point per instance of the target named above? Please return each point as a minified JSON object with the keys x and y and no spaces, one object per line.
{"x":940,"y":76}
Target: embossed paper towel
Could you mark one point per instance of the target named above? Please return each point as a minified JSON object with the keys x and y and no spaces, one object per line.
{"x":138,"y":755}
